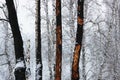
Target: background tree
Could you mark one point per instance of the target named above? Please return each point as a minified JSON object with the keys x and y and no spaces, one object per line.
{"x":38,"y":42}
{"x":4,"y":40}
{"x":27,"y":59}
{"x":50,"y":26}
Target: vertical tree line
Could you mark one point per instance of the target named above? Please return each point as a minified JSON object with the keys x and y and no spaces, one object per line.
{"x":38,"y":41}
{"x":78,"y":45}
{"x":18,"y":42}
{"x":58,"y":41}
{"x":50,"y":44}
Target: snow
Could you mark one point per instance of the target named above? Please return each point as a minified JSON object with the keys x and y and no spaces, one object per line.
{"x":4,"y":72}
{"x":38,"y":77}
{"x":19,"y":64}
{"x":38,"y":66}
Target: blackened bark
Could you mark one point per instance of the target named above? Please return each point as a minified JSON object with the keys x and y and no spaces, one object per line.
{"x":38,"y":42}
{"x":18,"y":42}
{"x":79,"y":34}
{"x":58,"y":41}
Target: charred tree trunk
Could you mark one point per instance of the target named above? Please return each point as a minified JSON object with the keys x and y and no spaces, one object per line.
{"x":38,"y":42}
{"x":18,"y":42}
{"x":58,"y":41}
{"x":79,"y":34}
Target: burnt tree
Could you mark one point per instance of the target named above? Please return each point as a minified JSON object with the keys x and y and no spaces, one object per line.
{"x":18,"y":42}
{"x":79,"y":34}
{"x":38,"y":42}
{"x":58,"y":41}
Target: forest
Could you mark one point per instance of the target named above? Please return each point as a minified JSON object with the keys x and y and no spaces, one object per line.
{"x":60,"y":39}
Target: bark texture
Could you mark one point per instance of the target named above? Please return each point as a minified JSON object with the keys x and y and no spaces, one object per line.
{"x":50,"y":53}
{"x":79,"y":34}
{"x":38,"y":42}
{"x":18,"y":42}
{"x":58,"y":41}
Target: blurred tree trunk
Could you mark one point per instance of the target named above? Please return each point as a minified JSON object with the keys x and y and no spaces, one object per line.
{"x":18,"y":42}
{"x":38,"y":42}
{"x":58,"y":41}
{"x":79,"y":34}
{"x":71,"y":23}
{"x":27,"y":59}
{"x":72,"y":29}
{"x":83,"y":63}
{"x":53,"y":31}
{"x":50,"y":49}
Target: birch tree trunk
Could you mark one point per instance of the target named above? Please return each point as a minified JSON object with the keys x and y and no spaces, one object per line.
{"x":79,"y":34}
{"x":38,"y":42}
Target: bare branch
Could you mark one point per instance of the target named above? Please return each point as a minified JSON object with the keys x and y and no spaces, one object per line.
{"x":1,"y":19}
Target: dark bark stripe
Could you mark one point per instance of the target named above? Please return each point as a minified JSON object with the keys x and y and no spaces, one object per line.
{"x":18,"y":42}
{"x":75,"y":65}
{"x":79,"y":34}
{"x":38,"y":41}
{"x":58,"y":41}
